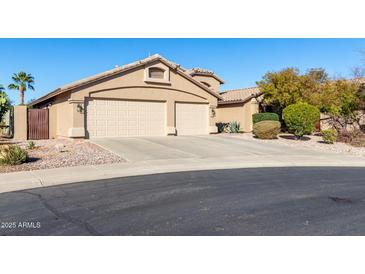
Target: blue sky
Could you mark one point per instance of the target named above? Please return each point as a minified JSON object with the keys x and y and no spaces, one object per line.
{"x":240,"y":62}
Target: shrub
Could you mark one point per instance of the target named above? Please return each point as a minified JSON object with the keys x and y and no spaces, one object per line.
{"x":355,"y":138}
{"x":221,"y":127}
{"x":30,"y":145}
{"x":264,"y":116}
{"x":234,"y":127}
{"x":300,"y":118}
{"x":4,"y":103}
{"x":329,"y":136}
{"x":12,"y":155}
{"x":266,"y":129}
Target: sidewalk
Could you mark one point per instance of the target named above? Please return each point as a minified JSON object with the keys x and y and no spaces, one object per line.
{"x":50,"y":177}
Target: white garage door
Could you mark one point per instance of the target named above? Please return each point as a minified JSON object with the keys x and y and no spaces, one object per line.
{"x":191,"y":119}
{"x":119,"y":118}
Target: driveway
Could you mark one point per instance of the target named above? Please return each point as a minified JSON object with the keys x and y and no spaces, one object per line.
{"x":254,"y":201}
{"x":155,"y":155}
{"x":197,"y":147}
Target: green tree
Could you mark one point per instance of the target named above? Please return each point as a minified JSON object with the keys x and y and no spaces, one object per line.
{"x":281,"y":88}
{"x":318,"y":75}
{"x":288,"y":87}
{"x":338,"y":98}
{"x":4,"y":103}
{"x":22,"y":82}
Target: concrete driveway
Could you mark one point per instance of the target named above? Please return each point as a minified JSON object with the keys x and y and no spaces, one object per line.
{"x":155,"y":155}
{"x":198,"y":147}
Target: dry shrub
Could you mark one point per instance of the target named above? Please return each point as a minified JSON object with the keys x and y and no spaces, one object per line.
{"x":355,"y":138}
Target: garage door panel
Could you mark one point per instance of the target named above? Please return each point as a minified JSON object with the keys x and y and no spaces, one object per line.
{"x":191,"y":119}
{"x":118,"y":118}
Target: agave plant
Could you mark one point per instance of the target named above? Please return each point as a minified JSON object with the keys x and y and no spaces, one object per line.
{"x":234,"y":127}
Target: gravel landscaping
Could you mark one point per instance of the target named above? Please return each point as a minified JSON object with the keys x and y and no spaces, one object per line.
{"x":62,"y":153}
{"x":313,"y":142}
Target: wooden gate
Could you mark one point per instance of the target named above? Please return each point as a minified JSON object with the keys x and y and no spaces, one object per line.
{"x":38,"y":124}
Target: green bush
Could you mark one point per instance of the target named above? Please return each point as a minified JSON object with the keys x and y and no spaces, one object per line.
{"x":300,"y":118}
{"x":329,"y":136}
{"x":264,"y":116}
{"x":222,"y":127}
{"x":266,"y":129}
{"x":12,"y":155}
{"x":234,"y":127}
{"x":30,"y":145}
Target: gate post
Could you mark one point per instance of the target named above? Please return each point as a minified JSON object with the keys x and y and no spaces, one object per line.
{"x":20,"y":123}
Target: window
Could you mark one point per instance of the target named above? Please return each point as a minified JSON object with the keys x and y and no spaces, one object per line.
{"x":156,"y":73}
{"x":206,"y":84}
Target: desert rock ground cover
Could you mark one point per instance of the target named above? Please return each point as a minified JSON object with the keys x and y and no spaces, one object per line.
{"x":62,"y":153}
{"x":313,"y":142}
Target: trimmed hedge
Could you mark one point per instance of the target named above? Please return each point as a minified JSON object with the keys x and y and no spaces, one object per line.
{"x":266,"y":129}
{"x":264,"y":116}
{"x":300,"y":118}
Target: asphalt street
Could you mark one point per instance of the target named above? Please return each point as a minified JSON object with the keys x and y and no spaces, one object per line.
{"x":252,"y":201}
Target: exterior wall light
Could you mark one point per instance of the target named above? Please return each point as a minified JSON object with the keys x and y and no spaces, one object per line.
{"x":80,"y":108}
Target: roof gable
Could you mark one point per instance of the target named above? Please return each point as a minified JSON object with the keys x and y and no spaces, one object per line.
{"x":109,"y":73}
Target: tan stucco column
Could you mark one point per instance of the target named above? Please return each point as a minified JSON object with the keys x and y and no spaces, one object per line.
{"x":78,"y":125}
{"x":212,"y":119}
{"x":170,"y":112}
{"x":20,"y":123}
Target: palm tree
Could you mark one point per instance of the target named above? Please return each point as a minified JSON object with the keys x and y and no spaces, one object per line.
{"x":22,"y":82}
{"x":1,"y":88}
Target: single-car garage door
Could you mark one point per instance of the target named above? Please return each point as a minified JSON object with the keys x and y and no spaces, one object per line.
{"x":122,"y":118}
{"x":191,"y":119}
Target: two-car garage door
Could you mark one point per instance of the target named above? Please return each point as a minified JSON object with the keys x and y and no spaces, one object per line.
{"x":119,"y":118}
{"x":123,"y":118}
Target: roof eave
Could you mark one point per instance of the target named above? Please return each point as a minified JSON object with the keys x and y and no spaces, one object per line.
{"x":240,"y":101}
{"x":46,"y":97}
{"x":206,"y":74}
{"x":136,"y":65}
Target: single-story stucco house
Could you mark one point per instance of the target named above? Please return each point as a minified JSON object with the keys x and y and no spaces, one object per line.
{"x":150,"y":97}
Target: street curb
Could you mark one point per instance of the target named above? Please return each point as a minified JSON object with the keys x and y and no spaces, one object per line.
{"x":60,"y":176}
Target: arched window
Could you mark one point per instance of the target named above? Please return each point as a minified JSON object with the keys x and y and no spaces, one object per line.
{"x":205,"y":83}
{"x":156,"y":73}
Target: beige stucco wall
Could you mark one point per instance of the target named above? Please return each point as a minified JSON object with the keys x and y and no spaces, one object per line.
{"x":53,"y":121}
{"x":129,"y":85}
{"x":20,"y":123}
{"x":214,"y":83}
{"x":242,"y":113}
{"x":60,"y":116}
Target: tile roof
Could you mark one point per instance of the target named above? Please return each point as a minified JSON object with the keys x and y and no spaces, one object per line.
{"x":117,"y":70}
{"x":201,"y":71}
{"x":244,"y":94}
{"x":239,"y":95}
